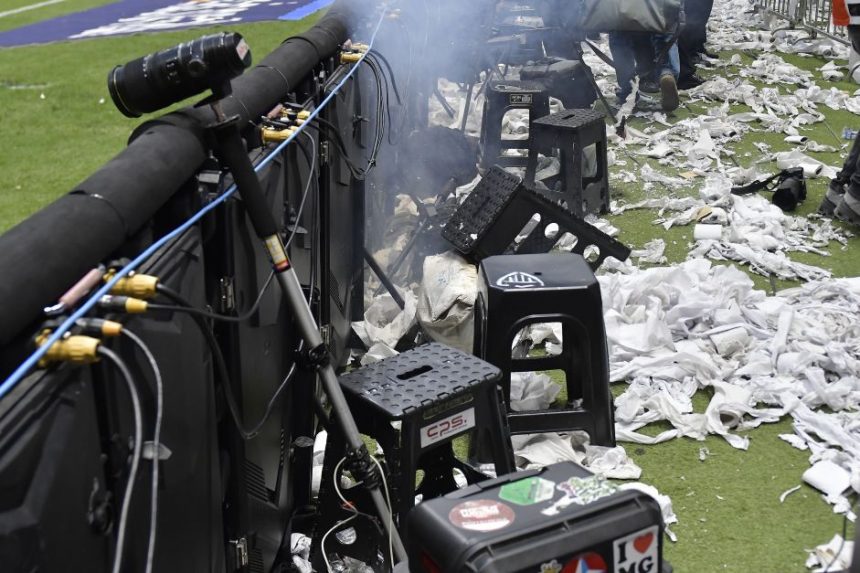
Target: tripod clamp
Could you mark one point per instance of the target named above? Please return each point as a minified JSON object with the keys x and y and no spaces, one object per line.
{"x":313,"y":359}
{"x":362,"y":469}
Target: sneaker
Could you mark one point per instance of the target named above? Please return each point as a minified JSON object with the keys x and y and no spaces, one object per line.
{"x":647,"y":102}
{"x":831,"y":199}
{"x":668,"y":92}
{"x":649,"y":86}
{"x":689,"y":82}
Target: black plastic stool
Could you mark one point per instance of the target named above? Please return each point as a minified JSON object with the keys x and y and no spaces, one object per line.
{"x":501,"y":98}
{"x":515,"y":291}
{"x":436,"y":393}
{"x":500,"y":208}
{"x":571,"y":132}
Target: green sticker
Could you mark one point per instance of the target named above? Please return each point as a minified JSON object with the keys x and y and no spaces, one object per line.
{"x":581,"y":491}
{"x":528,"y":491}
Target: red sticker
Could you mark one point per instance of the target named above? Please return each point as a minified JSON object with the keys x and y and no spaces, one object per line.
{"x":586,"y":563}
{"x":481,"y":515}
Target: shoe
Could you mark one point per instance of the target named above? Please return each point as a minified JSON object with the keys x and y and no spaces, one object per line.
{"x":832,"y":198}
{"x":848,"y":209}
{"x":668,"y":92}
{"x":649,"y":87}
{"x":689,"y":82}
{"x":647,"y":102}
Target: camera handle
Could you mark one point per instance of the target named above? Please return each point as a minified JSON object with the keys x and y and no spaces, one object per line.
{"x":230,"y":149}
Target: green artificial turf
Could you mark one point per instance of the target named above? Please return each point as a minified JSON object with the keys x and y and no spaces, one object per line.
{"x":57,"y":122}
{"x":57,"y":126}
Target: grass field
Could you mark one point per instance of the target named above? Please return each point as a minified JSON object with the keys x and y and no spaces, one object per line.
{"x":58,"y":125}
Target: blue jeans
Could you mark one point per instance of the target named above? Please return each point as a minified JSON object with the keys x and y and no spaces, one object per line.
{"x":624,"y":56}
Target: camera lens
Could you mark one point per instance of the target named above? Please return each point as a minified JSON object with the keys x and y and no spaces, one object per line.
{"x":158,"y":80}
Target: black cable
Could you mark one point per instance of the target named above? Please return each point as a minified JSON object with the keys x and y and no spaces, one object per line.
{"x":314,"y":229}
{"x":221,"y":367}
{"x":333,"y":135}
{"x":311,"y":159}
{"x":381,"y":62}
{"x":124,"y":371}
{"x":156,"y":442}
{"x":376,"y":55}
{"x":385,"y":94}
{"x":380,"y":114}
{"x":214,"y":315}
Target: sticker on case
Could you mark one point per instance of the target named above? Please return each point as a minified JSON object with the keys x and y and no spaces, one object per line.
{"x":482,"y":515}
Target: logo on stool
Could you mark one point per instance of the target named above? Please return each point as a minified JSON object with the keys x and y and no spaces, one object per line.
{"x":519,"y":280}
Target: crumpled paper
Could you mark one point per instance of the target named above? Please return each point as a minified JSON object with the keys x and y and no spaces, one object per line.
{"x":385,"y":322}
{"x":447,"y":298}
{"x":665,"y":502}
{"x":300,"y":549}
{"x":539,"y":450}
{"x":532,"y":391}
{"x":833,"y":556}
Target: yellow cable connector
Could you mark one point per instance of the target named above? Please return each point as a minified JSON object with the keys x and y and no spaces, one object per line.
{"x":270,"y":135}
{"x":360,"y":47}
{"x":77,"y":349}
{"x":123,"y":304}
{"x":138,"y":286}
{"x":100,"y":327}
{"x":350,"y":57}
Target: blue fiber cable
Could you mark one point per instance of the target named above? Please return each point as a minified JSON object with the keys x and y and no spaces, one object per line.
{"x":34,"y":358}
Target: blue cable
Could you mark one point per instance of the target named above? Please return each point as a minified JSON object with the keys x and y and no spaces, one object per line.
{"x":34,"y":358}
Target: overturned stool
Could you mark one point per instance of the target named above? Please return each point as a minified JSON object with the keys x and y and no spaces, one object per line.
{"x":503,"y":97}
{"x":435,"y":393}
{"x":517,"y":291}
{"x":500,"y":210}
{"x":574,"y":133}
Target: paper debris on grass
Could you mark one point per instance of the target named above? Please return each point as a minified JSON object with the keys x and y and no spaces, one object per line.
{"x":787,"y":493}
{"x":833,"y":556}
{"x":788,"y":354}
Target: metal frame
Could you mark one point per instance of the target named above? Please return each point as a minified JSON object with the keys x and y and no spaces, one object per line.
{"x":814,"y":16}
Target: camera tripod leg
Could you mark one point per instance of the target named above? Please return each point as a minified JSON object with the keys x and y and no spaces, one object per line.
{"x":383,"y":278}
{"x":231,"y":150}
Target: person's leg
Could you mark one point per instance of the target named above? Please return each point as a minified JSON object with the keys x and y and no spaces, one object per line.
{"x":624,"y":58}
{"x":643,"y":54}
{"x":691,"y":41}
{"x":705,"y":7}
{"x":667,"y":66}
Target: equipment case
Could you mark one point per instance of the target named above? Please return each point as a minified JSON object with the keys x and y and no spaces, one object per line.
{"x":561,"y":519}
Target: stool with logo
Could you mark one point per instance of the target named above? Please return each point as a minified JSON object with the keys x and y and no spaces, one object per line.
{"x":414,"y":405}
{"x":500,"y":210}
{"x":503,"y":97}
{"x":559,"y":519}
{"x":515,"y":291}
